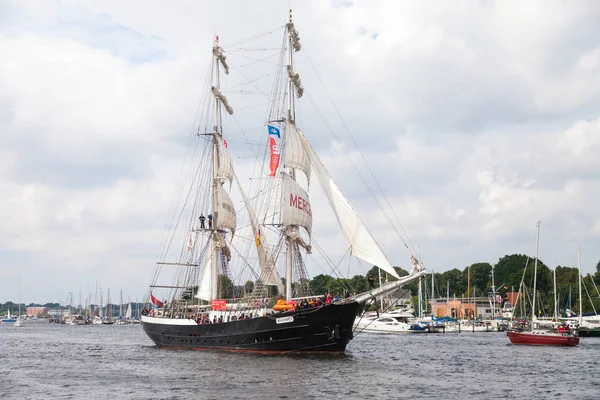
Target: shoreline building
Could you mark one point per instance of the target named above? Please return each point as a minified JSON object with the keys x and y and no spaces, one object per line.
{"x":472,"y":308}
{"x":36,"y":311}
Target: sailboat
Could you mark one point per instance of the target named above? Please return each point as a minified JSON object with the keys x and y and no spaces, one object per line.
{"x":8,"y":317}
{"x":539,"y":332}
{"x":98,"y":318}
{"x":201,"y":313}
{"x":19,"y":322}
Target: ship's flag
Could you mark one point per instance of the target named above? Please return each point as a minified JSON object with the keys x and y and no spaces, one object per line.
{"x":155,"y":301}
{"x":258,"y":238}
{"x":274,"y":155}
{"x":273,"y":130}
{"x":225,"y":143}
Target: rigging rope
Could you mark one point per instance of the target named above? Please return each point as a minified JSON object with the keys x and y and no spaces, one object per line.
{"x":413,"y":251}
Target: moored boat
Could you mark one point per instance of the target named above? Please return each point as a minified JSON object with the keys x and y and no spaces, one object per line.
{"x":538,"y":332}
{"x":543,"y":337}
{"x":8,"y":318}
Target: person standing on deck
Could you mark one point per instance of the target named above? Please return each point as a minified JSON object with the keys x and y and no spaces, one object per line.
{"x":202,"y":218}
{"x":209,"y":221}
{"x":371,"y":282}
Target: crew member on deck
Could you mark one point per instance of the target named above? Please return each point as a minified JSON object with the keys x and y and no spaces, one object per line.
{"x":371,"y":282}
{"x":202,"y":218}
{"x":209,"y":221}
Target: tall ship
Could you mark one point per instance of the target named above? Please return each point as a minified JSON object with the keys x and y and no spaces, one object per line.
{"x":208,"y":249}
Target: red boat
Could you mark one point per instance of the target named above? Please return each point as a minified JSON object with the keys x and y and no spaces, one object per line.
{"x":543,"y":338}
{"x":539,"y":332}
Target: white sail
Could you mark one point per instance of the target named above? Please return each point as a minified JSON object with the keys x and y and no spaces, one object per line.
{"x":225,"y":210}
{"x":268,"y":271}
{"x":295,"y":205}
{"x":294,"y":155}
{"x":225,"y":165}
{"x":205,"y":286}
{"x":362,"y":243}
{"x":128,"y":312}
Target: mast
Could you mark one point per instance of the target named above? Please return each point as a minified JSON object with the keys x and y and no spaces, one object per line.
{"x":537,"y":249}
{"x":293,"y":81}
{"x":469,"y":284}
{"x":214,"y":275}
{"x":580,"y":296}
{"x":447,"y":298}
{"x":100,"y":313}
{"x":108,"y":305}
{"x":494,"y":302}
{"x":420,"y":293}
{"x":432,"y":289}
{"x":220,"y":103}
{"x":380,"y":298}
{"x":290,"y":116}
{"x":96,"y":299}
{"x":19,"y":315}
{"x":455,"y":310}
{"x":555,"y":295}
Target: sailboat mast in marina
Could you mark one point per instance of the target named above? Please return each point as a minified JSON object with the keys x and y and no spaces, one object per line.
{"x":19,"y":322}
{"x":200,"y":310}
{"x":537,"y":332}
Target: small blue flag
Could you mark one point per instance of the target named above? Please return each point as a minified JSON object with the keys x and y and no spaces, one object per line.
{"x":273,"y":130}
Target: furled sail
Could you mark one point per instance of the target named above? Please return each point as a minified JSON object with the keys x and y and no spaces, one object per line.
{"x":218,"y":53}
{"x":362,"y":243}
{"x":226,"y":212}
{"x":220,"y":96}
{"x":225,"y":165}
{"x":295,"y":206}
{"x":205,"y":286}
{"x":294,"y":155}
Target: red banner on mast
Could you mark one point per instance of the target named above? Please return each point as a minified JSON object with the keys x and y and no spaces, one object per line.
{"x":274,"y":155}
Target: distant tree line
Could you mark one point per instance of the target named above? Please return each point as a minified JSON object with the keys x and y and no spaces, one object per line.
{"x":508,"y":272}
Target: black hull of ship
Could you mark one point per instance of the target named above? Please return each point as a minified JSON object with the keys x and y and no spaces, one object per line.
{"x":326,"y":329}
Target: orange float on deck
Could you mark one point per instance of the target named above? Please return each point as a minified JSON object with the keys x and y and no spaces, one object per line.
{"x":282,"y":305}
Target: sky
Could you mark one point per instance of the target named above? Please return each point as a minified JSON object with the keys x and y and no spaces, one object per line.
{"x":477,"y":118}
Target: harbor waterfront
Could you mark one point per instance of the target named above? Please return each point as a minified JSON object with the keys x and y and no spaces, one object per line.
{"x":42,"y":361}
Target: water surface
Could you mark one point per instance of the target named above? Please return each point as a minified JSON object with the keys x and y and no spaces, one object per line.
{"x":50,"y":361}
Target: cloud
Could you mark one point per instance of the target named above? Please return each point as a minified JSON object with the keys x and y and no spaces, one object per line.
{"x":476,"y":120}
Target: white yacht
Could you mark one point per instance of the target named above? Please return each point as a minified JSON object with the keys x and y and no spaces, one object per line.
{"x":398,"y":321}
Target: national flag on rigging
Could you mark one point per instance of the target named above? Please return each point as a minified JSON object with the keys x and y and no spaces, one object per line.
{"x":274,"y":155}
{"x":258,"y":238}
{"x":273,"y":130}
{"x":155,"y":301}
{"x":225,"y":143}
